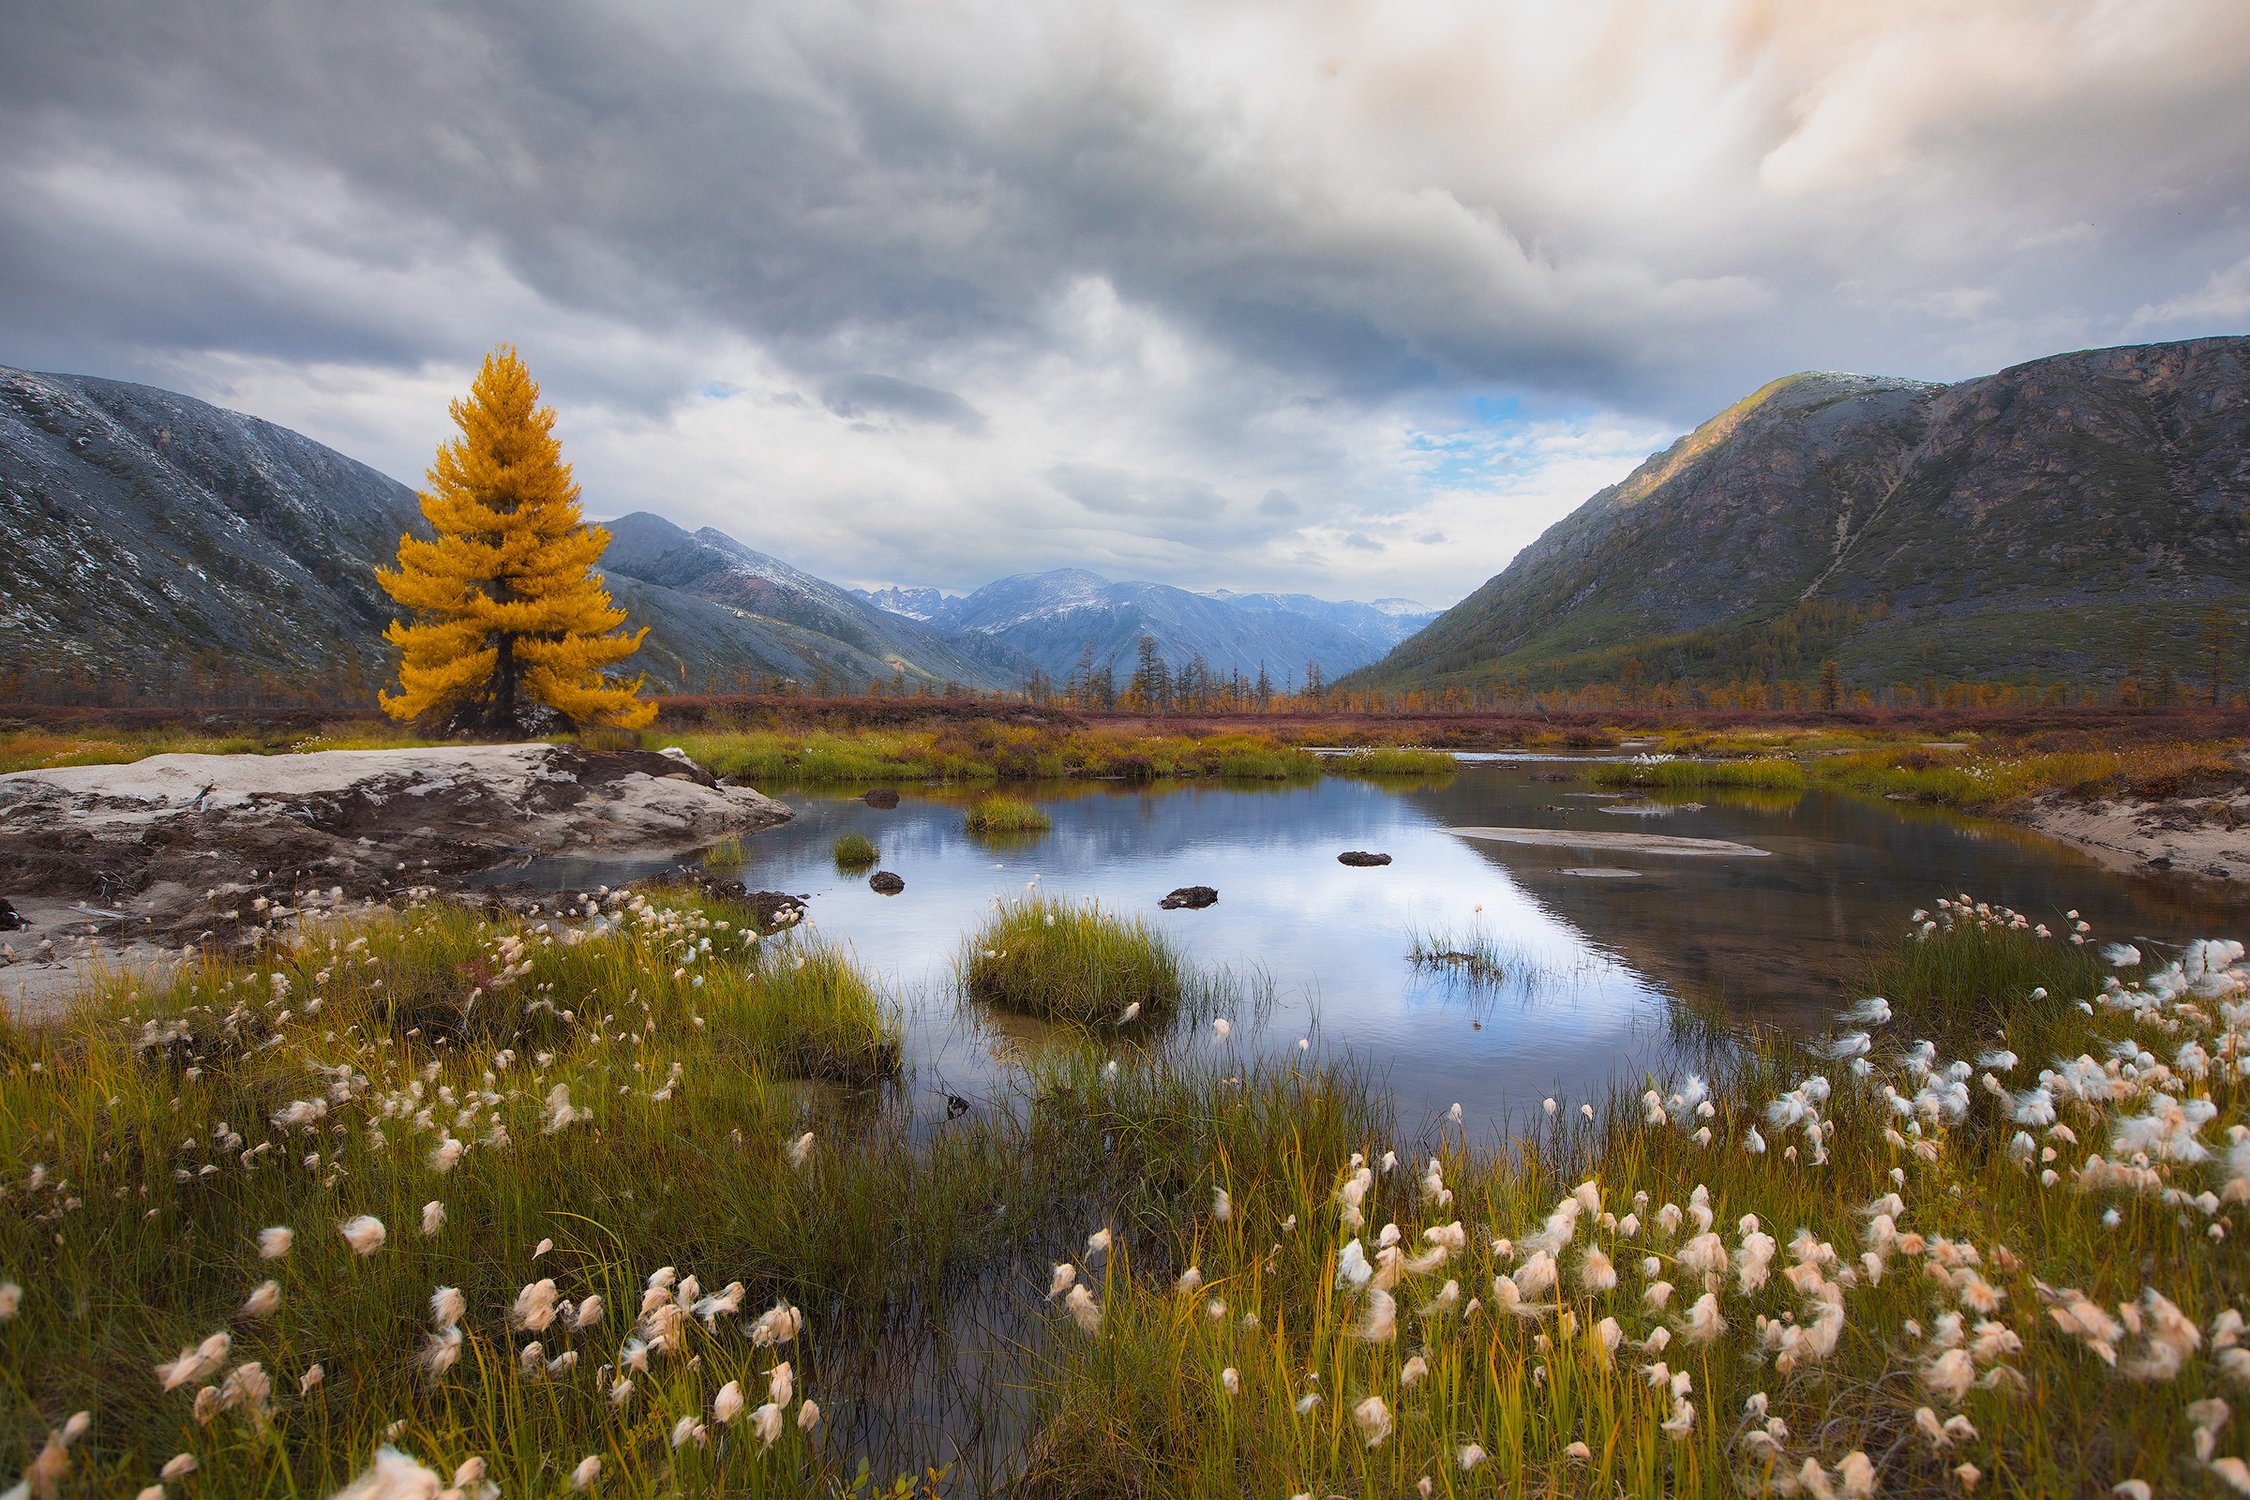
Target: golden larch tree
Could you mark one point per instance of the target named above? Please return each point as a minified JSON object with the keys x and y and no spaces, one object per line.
{"x":507,"y":612}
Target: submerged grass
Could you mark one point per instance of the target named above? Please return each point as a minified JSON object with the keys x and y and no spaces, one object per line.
{"x":1474,"y":954}
{"x":1074,"y":962}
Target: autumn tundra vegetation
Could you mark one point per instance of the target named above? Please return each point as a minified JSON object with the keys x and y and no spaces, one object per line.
{"x":622,"y":1193}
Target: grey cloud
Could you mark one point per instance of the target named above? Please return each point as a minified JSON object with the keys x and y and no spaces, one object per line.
{"x":1114,"y":492}
{"x":1277,"y":503}
{"x":862,"y":395}
{"x":1361,"y":541}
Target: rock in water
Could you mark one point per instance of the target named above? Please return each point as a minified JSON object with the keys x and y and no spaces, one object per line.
{"x":882,"y":796}
{"x":1193,"y":897}
{"x":884,"y":883}
{"x":1360,"y":858}
{"x":11,"y":920}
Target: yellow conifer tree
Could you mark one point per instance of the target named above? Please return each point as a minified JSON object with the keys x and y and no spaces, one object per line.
{"x":506,"y":607}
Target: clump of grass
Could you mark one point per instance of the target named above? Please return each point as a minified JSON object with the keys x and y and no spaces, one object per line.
{"x":724,"y":857}
{"x":1064,"y":961}
{"x":1991,"y":778}
{"x":1393,"y":760}
{"x":1768,"y":773}
{"x":1709,"y":1287}
{"x":1005,"y":815}
{"x":1968,"y":972}
{"x":1473,"y":954}
{"x":854,"y":851}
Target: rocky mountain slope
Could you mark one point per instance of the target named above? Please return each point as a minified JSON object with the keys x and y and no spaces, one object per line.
{"x":1052,"y":618}
{"x":167,"y":549}
{"x":2054,"y":519}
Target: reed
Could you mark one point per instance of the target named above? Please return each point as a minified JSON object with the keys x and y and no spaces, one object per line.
{"x":1004,"y":815}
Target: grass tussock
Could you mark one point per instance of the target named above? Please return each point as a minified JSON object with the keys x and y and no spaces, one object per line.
{"x":1884,"y":1267}
{"x":1992,"y":778}
{"x":1006,"y":816}
{"x":1066,"y":961}
{"x":854,"y":851}
{"x":34,"y":749}
{"x":1392,"y":760}
{"x":1763,"y":773}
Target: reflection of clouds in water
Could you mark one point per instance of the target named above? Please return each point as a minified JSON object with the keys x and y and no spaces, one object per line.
{"x":1331,"y":940}
{"x":1779,"y":938}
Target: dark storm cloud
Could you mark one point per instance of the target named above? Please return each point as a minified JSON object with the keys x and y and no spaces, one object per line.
{"x":1250,"y":244}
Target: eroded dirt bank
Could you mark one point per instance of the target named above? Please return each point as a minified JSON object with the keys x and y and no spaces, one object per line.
{"x":2201,"y":836}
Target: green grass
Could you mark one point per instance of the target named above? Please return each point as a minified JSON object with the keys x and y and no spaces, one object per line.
{"x":1141,"y":1405}
{"x":724,"y":857}
{"x":854,"y":851}
{"x":1392,"y":760}
{"x":1004,"y":815}
{"x":1765,"y":773}
{"x":1074,"y":962}
{"x":146,"y":1141}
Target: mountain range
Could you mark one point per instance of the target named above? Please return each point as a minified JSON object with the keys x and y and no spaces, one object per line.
{"x":2067,"y":517}
{"x":161,"y":548}
{"x":1060,"y":618}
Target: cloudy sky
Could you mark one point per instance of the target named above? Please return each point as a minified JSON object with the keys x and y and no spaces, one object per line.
{"x":1348,"y":296}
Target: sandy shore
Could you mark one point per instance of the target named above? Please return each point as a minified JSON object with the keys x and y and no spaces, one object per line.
{"x":2208,"y":836}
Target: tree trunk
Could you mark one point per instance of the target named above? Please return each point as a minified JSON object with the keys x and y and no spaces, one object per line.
{"x":504,"y":687}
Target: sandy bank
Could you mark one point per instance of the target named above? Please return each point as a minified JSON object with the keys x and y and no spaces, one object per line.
{"x":1622,"y":843}
{"x":2207,"y":836}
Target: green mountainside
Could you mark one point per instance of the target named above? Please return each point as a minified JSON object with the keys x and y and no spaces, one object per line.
{"x":2048,"y":521}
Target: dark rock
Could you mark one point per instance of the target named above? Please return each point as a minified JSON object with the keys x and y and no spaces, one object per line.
{"x":884,"y":883}
{"x":882,"y":796}
{"x":955,"y":1106}
{"x":774,"y":909}
{"x":1360,"y":858}
{"x":1193,"y":897}
{"x":11,"y":920}
{"x":2160,"y":862}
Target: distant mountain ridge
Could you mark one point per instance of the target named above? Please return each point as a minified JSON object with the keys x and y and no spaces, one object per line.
{"x":167,"y":546}
{"x":157,"y":548}
{"x":2038,"y":521}
{"x":1054,"y":618}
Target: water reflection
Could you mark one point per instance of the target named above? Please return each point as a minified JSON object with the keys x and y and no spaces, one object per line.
{"x":1594,"y":959}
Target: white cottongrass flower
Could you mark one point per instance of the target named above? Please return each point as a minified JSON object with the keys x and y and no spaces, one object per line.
{"x":800,"y":1149}
{"x":393,"y":1476}
{"x":781,"y":1384}
{"x":1222,"y":1026}
{"x":1373,"y":1419}
{"x":1222,"y":1207}
{"x":727,"y":1405}
{"x":312,"y":1377}
{"x":541,"y":1248}
{"x":197,"y":1363}
{"x":1083,"y":1311}
{"x":447,"y":1306}
{"x":765,"y":1424}
{"x":1190,"y":1279}
{"x":588,"y":1472}
{"x":534,"y":1308}
{"x":1230,"y":1380}
{"x":1097,"y":1245}
{"x":1063,"y":1276}
{"x":1130,"y":1013}
{"x":808,"y":1415}
{"x":1469,"y":1455}
{"x":364,"y":1233}
{"x":778,"y":1324}
{"x":433,"y":1217}
{"x":446,"y":1155}
{"x":441,"y":1350}
{"x":1415,"y":1370}
{"x":263,"y":1302}
{"x":275,"y":1242}
{"x":178,"y":1466}
{"x":1704,"y":1324}
{"x":588,"y":1314}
